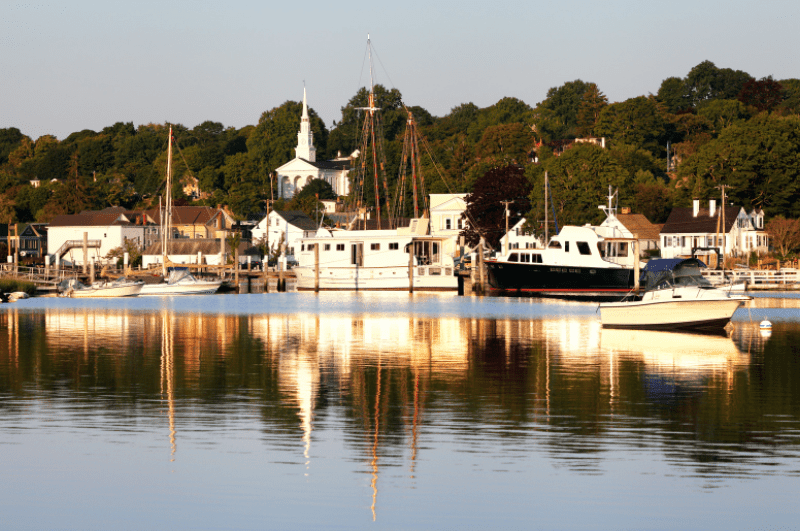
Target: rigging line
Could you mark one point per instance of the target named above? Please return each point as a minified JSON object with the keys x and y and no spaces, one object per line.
{"x":384,"y":68}
{"x":427,"y":147}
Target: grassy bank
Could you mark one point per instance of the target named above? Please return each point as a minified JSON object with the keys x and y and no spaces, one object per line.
{"x":8,"y":285}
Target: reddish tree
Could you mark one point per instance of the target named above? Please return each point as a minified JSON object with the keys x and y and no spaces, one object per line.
{"x":485,"y":214}
{"x":764,"y":94}
{"x":784,"y":234}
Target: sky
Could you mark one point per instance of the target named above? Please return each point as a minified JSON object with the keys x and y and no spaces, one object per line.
{"x":70,"y":66}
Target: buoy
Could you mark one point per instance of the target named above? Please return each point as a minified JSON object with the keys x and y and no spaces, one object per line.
{"x":765,"y":325}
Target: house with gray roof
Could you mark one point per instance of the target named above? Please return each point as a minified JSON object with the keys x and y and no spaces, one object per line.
{"x":105,"y":230}
{"x":730,"y":229}
{"x":284,"y":227}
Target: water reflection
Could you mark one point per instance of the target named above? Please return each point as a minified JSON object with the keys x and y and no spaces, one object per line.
{"x":559,"y":385}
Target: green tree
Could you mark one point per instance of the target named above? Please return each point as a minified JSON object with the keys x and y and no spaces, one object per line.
{"x":557,"y":115}
{"x":638,"y":121}
{"x":674,"y":94}
{"x":592,"y":103}
{"x":506,"y":142}
{"x":759,"y":159}
{"x":274,"y":139}
{"x":579,"y":180}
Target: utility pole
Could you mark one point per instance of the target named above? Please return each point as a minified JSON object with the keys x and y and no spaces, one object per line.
{"x":722,"y":188}
{"x":546,"y":206}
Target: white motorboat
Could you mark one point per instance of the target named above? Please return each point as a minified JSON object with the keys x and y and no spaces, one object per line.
{"x":376,"y":260}
{"x":676,"y":297}
{"x":181,"y":282}
{"x":121,"y":287}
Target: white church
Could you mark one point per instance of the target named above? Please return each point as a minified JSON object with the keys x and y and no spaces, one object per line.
{"x":296,"y":173}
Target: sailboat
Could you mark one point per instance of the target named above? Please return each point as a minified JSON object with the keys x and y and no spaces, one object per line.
{"x":389,"y":257}
{"x":178,"y":281}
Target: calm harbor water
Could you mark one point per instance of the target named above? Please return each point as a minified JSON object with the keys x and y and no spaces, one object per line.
{"x":297,"y":410}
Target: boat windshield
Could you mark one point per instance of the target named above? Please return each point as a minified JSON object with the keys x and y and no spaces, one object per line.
{"x":660,"y":274}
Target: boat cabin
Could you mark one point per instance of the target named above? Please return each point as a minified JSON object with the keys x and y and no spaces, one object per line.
{"x":576,"y":246}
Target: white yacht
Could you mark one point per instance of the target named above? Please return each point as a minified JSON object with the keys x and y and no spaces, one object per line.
{"x":676,"y":297}
{"x":356,"y":260}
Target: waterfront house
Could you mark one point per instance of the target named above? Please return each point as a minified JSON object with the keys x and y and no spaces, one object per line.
{"x":287,"y":227}
{"x":519,"y":238}
{"x":627,"y":225}
{"x":105,"y":230}
{"x":197,"y":222}
{"x":689,"y":228}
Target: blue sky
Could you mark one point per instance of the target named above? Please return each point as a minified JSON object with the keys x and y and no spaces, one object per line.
{"x":69,"y":66}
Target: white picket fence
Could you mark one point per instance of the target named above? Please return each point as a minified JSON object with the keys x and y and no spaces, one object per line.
{"x":786,"y":278}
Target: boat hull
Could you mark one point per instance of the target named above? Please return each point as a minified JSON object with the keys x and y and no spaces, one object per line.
{"x":114,"y":291}
{"x":559,"y":281}
{"x":427,"y":278}
{"x":680,"y":314}
{"x":199,"y":288}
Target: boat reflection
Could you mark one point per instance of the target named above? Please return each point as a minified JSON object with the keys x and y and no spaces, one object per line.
{"x":386,"y":381}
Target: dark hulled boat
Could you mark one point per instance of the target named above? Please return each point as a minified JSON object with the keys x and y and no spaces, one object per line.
{"x":572,"y":266}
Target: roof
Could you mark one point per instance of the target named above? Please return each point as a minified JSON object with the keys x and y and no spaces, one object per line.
{"x":187,"y":215}
{"x":297,"y":218}
{"x":90,"y":219}
{"x":330,"y":164}
{"x":639,"y":225}
{"x":683,"y":221}
{"x":186,"y":246}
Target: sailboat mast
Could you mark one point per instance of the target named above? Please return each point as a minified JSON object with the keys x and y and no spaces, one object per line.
{"x":168,"y":211}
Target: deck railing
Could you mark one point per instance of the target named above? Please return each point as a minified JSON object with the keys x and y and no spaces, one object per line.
{"x":755,"y":277}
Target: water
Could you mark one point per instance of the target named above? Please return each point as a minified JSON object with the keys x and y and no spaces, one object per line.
{"x":298,"y":410}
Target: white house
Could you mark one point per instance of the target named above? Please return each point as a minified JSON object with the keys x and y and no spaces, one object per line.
{"x":105,"y":230}
{"x":284,"y":226}
{"x":626,"y":225}
{"x":296,"y":173}
{"x":690,"y":228}
{"x":518,"y":238}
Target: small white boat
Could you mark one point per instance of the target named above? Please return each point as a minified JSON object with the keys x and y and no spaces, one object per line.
{"x":181,"y":282}
{"x":121,"y":287}
{"x":676,"y":297}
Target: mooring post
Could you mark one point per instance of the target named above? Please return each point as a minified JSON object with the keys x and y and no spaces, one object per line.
{"x":316,"y":268}
{"x":480,"y":269}
{"x":411,"y":267}
{"x":85,"y":250}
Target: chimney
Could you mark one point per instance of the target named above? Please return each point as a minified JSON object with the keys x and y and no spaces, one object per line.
{"x":712,"y":208}
{"x":695,"y":207}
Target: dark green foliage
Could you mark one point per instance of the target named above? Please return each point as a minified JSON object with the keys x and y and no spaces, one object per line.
{"x":317,"y":186}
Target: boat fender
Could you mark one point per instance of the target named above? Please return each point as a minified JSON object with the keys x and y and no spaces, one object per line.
{"x":765,"y":325}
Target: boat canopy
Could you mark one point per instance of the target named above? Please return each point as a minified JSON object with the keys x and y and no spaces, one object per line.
{"x":660,"y":272}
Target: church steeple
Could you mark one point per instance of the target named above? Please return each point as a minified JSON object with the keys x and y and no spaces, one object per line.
{"x":305,"y":138}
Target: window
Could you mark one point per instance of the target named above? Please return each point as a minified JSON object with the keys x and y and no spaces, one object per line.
{"x":513,"y":257}
{"x":583,"y":248}
{"x":555,"y":245}
{"x":460,"y":224}
{"x":374,"y":247}
{"x":526,"y":257}
{"x":566,"y":247}
{"x":536,"y":258}
{"x":448,"y":224}
{"x":394,"y":246}
{"x":340,"y":247}
{"x":303,"y":247}
{"x":683,"y":241}
{"x":327,"y":247}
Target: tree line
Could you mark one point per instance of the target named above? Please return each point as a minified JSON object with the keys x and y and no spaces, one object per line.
{"x":714,"y":126}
